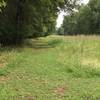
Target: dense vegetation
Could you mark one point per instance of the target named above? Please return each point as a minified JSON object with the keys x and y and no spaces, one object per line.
{"x":84,"y":21}
{"x":54,"y":67}
{"x":28,"y":18}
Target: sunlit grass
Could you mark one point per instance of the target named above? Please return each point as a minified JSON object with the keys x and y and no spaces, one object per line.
{"x":51,"y":68}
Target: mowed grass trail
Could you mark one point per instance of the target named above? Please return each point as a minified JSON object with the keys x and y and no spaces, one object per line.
{"x":51,"y":68}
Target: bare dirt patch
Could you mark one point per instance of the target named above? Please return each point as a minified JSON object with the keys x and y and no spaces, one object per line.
{"x":60,"y":91}
{"x":3,"y":79}
{"x":2,"y":65}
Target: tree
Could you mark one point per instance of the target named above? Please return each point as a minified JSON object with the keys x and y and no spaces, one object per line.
{"x":60,"y":31}
{"x":28,"y":18}
{"x":85,"y":21}
{"x":69,"y":24}
{"x":95,"y":23}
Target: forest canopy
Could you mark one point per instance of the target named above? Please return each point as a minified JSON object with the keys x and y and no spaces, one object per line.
{"x":84,"y":21}
{"x":20,"y":19}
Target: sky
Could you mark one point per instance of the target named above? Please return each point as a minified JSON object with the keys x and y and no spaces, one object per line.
{"x":61,"y":15}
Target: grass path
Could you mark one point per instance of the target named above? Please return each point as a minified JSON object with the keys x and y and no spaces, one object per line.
{"x":51,"y":68}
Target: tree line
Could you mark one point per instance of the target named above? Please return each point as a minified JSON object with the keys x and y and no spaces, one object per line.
{"x":21,"y":19}
{"x":85,"y":20}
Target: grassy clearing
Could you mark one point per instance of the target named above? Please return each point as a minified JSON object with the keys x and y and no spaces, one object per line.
{"x":51,"y":68}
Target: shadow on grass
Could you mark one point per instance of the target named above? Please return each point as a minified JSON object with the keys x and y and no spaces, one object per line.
{"x":38,"y":44}
{"x":31,"y":43}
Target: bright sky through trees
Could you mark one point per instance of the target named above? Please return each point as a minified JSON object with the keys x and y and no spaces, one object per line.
{"x":61,"y":15}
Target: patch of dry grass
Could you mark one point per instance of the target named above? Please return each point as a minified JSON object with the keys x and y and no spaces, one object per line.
{"x":4,"y":79}
{"x":93,"y":63}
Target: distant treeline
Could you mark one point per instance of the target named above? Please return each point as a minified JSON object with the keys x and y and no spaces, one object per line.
{"x":84,"y":21}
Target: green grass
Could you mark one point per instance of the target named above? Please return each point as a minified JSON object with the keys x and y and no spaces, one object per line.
{"x":51,"y":68}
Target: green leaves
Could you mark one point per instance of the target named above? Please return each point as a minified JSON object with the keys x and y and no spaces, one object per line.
{"x":85,"y":21}
{"x":2,"y":5}
{"x":27,"y":18}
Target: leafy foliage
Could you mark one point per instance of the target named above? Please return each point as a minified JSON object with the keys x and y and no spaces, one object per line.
{"x":85,"y":21}
{"x":27,"y":18}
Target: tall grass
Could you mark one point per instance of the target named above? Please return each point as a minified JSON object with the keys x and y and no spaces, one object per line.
{"x":51,"y":68}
